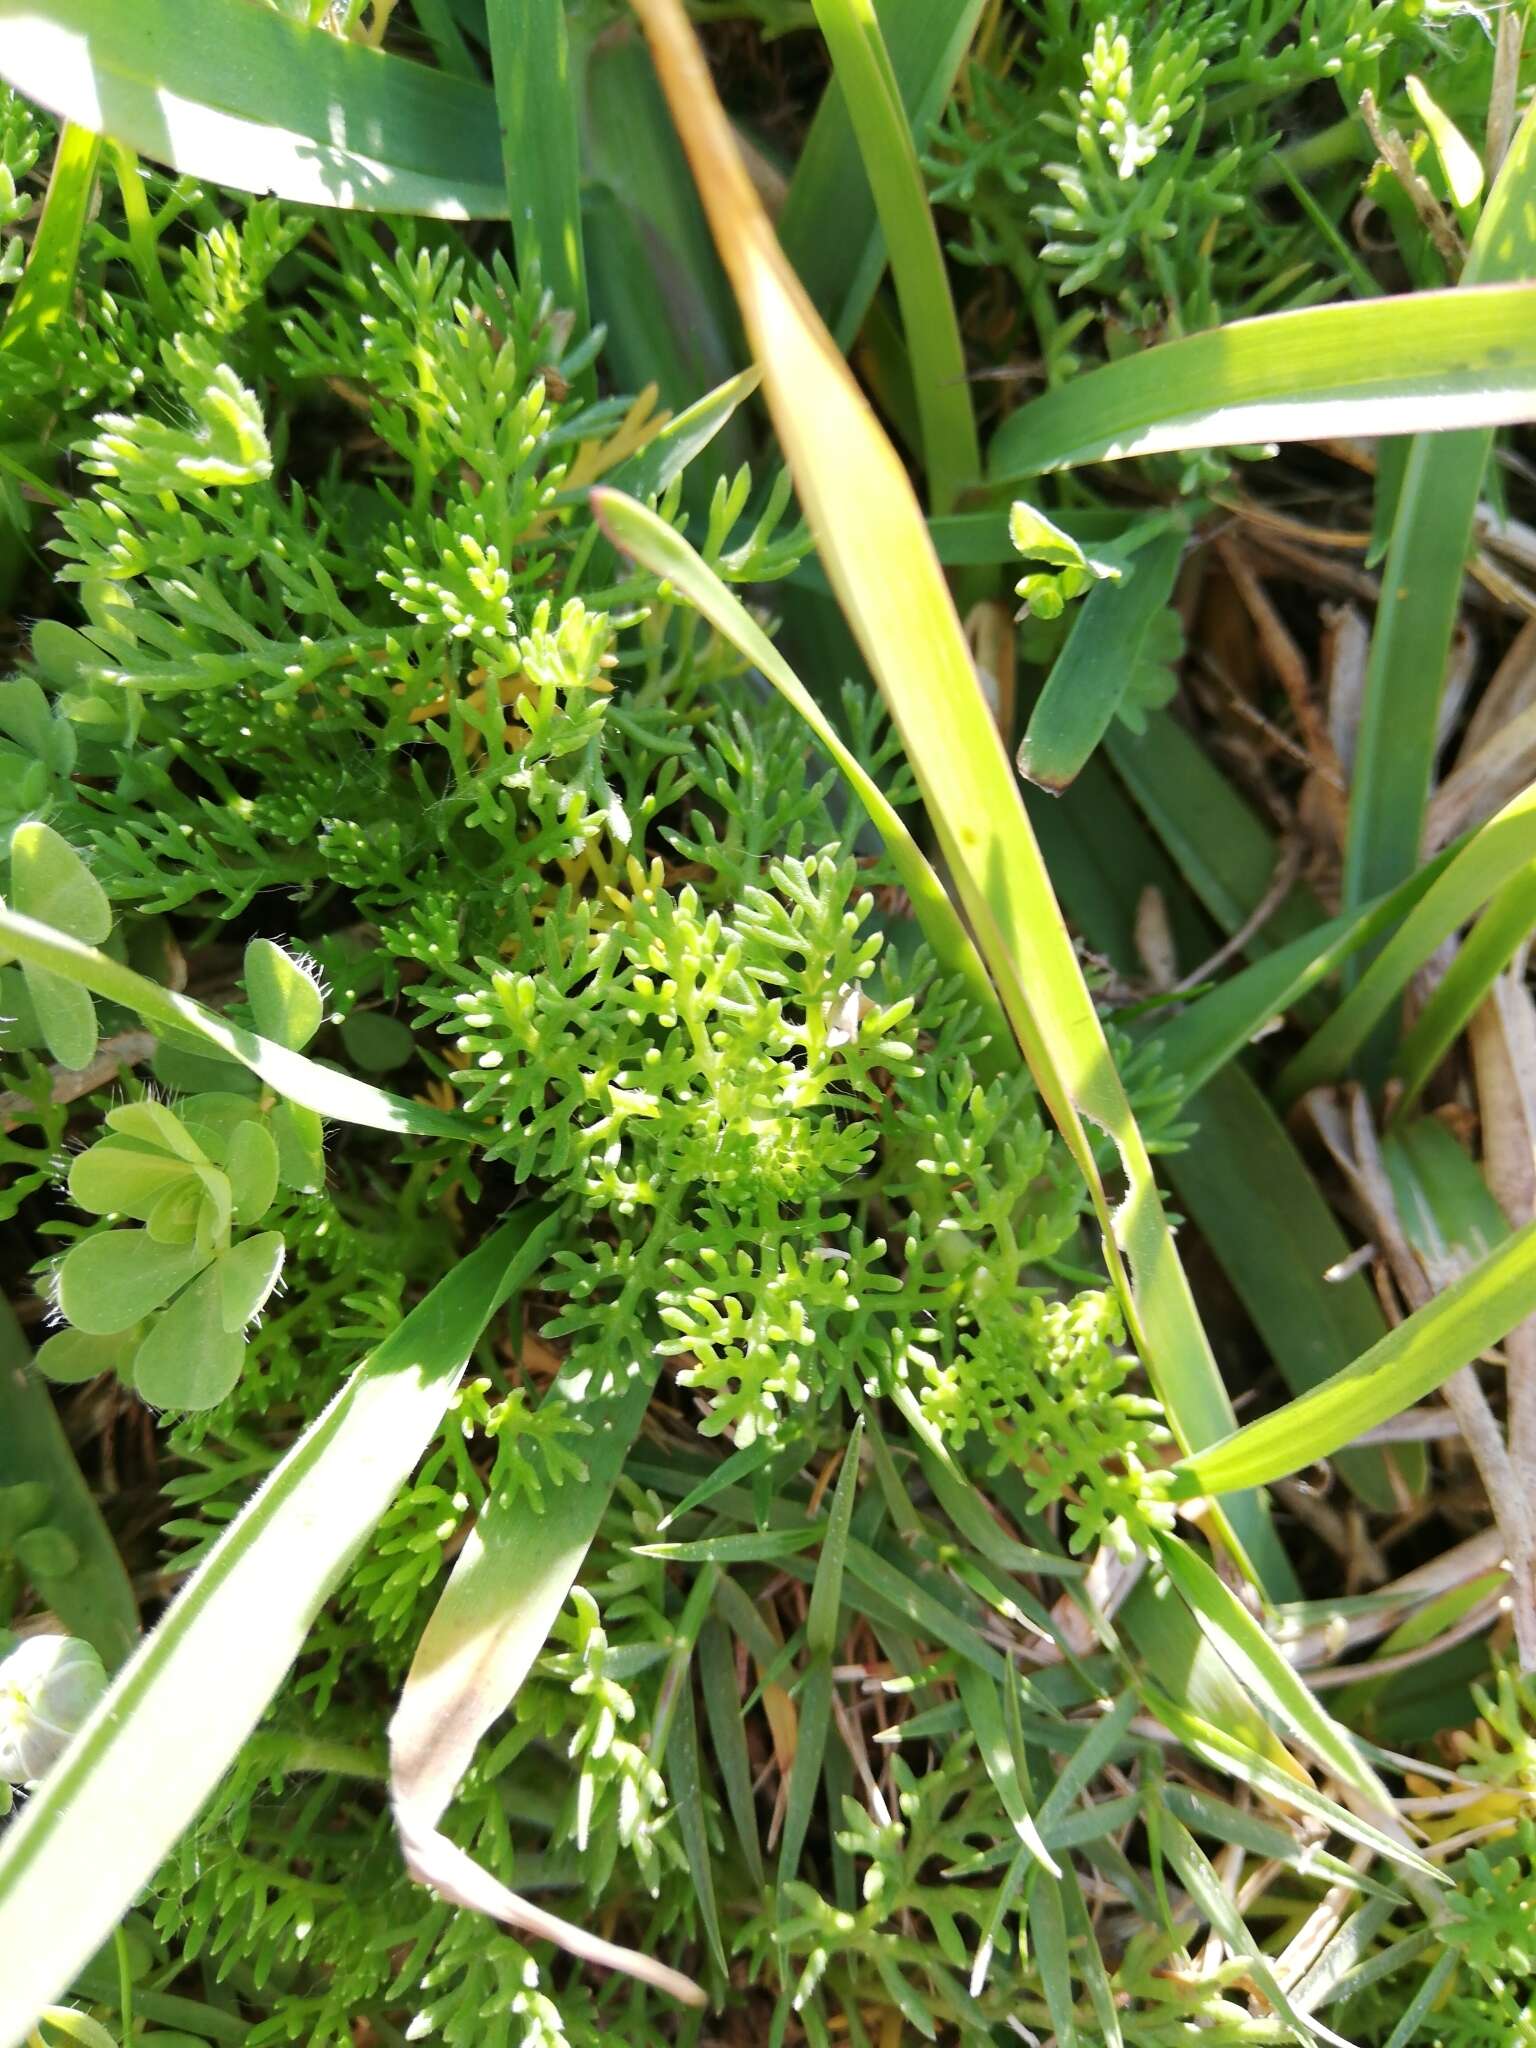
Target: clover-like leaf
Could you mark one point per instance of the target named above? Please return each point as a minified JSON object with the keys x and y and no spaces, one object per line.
{"x":247,"y":1273}
{"x":152,"y":1123}
{"x":252,"y":1166}
{"x":119,"y":1176}
{"x":71,"y":1357}
{"x":108,"y":1282}
{"x":175,"y":1216}
{"x":50,"y":882}
{"x":285,"y":997}
{"x":189,"y":1359}
{"x":300,"y":1136}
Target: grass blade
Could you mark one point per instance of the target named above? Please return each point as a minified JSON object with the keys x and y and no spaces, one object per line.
{"x":1490,"y":946}
{"x":827,"y":1590}
{"x":1421,"y":582}
{"x":536,"y":110}
{"x":876,"y":549}
{"x":93,"y":1598}
{"x":1494,"y":854}
{"x":322,"y":1089}
{"x":139,"y":1770}
{"x":1250,"y":1194}
{"x":1457,"y":1326}
{"x":47,"y":284}
{"x":261,"y":103}
{"x":1378,"y":366}
{"x":927,"y":41}
{"x":1093,"y":671}
{"x":494,"y":1617}
{"x":862,"y":66}
{"x":722,"y":1708}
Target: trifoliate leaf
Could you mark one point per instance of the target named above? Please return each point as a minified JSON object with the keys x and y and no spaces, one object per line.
{"x":247,"y":1275}
{"x":151,"y":1123}
{"x":189,"y":1359}
{"x":107,"y":1283}
{"x":66,"y":1016}
{"x":71,"y":1357}
{"x":120,"y":1176}
{"x":252,"y":1166}
{"x":174,"y":1217}
{"x":376,"y":1043}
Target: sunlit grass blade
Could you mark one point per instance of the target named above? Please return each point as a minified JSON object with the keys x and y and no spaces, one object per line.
{"x":91,"y":1594}
{"x":1488,"y":949}
{"x":927,"y":41}
{"x":1456,"y":1327}
{"x":140,"y":1769}
{"x":1214,"y":1027}
{"x":1378,"y":366}
{"x":876,"y":549}
{"x":42,"y":298}
{"x":492,"y":1620}
{"x":324,"y":1089}
{"x":1492,"y":857}
{"x":536,"y":92}
{"x":1421,"y":581}
{"x":261,"y":103}
{"x":862,"y":66}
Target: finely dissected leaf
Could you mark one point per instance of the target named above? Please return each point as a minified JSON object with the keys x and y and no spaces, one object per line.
{"x":140,"y":1769}
{"x":511,"y":1580}
{"x":1421,"y":580}
{"x":1452,"y":1330}
{"x":1491,"y":857}
{"x":875,"y":546}
{"x":307,"y":1085}
{"x":654,"y":544}
{"x":861,"y":65}
{"x":261,"y":103}
{"x":93,"y":1598}
{"x":1374,"y":366}
{"x":110,"y":1282}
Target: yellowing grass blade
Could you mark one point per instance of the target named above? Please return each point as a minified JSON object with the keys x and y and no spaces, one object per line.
{"x":881,"y":562}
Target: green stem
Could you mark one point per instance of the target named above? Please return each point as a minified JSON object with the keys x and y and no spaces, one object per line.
{"x":143,"y":249}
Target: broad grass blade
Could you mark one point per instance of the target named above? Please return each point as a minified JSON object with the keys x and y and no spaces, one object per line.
{"x":927,"y":41}
{"x":1463,"y":358}
{"x":536,"y":91}
{"x":260,"y":103}
{"x":876,"y":549}
{"x":93,"y":1598}
{"x":140,"y":1769}
{"x":1494,"y":855}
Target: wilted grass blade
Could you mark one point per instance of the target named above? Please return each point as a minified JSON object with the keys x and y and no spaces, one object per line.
{"x":261,"y":103}
{"x":492,"y":1620}
{"x":140,"y":1769}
